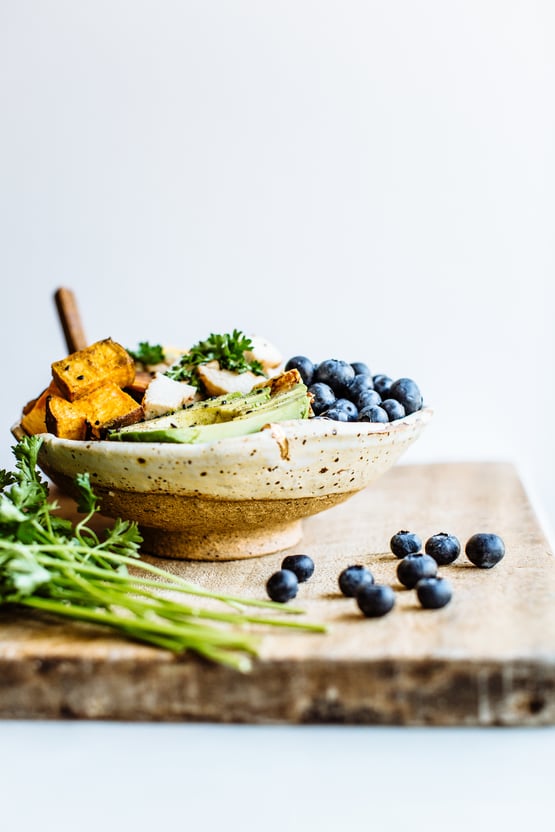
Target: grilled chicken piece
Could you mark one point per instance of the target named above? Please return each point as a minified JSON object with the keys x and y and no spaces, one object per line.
{"x":216,"y":382}
{"x":164,"y":395}
{"x":265,"y":352}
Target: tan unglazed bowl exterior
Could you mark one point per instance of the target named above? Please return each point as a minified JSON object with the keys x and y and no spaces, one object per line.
{"x":234,"y":498}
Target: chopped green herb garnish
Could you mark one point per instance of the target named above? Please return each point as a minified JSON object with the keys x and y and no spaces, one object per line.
{"x":48,"y":563}
{"x":148,"y":353}
{"x":228,"y":350}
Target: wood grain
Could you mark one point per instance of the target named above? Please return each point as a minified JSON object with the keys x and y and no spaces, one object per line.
{"x":488,"y":658}
{"x":70,"y":319}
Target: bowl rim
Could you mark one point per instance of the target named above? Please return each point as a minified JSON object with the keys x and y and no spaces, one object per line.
{"x":298,"y":429}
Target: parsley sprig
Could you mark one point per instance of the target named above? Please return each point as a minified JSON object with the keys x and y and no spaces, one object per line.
{"x":148,"y":353}
{"x":227,"y":349}
{"x":49,"y":564}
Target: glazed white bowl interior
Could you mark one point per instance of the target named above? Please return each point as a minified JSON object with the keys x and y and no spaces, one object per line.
{"x":203,"y":501}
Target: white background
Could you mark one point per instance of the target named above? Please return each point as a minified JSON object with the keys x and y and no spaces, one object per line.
{"x":365,"y":180}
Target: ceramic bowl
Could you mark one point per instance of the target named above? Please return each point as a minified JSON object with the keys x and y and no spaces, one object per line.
{"x":235,"y":498}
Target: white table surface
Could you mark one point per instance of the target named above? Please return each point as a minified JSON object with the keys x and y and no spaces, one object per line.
{"x":94,"y":776}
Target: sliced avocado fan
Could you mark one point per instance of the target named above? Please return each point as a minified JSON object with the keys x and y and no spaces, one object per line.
{"x":221,"y":417}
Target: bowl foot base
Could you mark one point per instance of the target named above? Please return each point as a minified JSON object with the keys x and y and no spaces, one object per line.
{"x":213,"y":546}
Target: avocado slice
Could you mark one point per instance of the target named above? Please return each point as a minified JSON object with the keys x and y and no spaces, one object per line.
{"x":291,"y":404}
{"x":207,"y":412}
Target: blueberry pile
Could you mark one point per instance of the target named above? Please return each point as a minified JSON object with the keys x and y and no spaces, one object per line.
{"x":350,"y":393}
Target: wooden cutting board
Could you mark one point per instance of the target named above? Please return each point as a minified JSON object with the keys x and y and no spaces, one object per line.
{"x":488,"y":658}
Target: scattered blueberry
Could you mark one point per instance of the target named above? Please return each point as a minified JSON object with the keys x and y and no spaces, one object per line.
{"x":361,"y":369}
{"x":301,"y":565}
{"x":374,"y":413}
{"x":304,"y":365}
{"x":323,"y":397}
{"x":433,"y":593}
{"x":393,"y":408}
{"x":413,"y":568}
{"x":485,"y":550}
{"x":444,"y":548}
{"x":334,"y":372}
{"x":375,"y":600}
{"x":405,"y":543}
{"x":282,"y":586}
{"x":382,"y":383}
{"x":353,"y":578}
{"x":407,"y":392}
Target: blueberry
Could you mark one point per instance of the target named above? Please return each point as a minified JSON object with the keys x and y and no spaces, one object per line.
{"x":323,"y":397}
{"x":485,"y":550}
{"x":443,"y":547}
{"x":375,"y":600}
{"x":352,"y":578}
{"x":433,"y":593}
{"x":414,"y":567}
{"x":393,"y":408}
{"x":359,"y":385}
{"x":407,"y":392}
{"x":301,"y":565}
{"x":345,"y":406}
{"x":361,"y":369}
{"x":337,"y":374}
{"x":374,"y":413}
{"x":304,"y":365}
{"x":382,"y":383}
{"x":405,"y":543}
{"x":336,"y":414}
{"x":368,"y":398}
{"x":282,"y":586}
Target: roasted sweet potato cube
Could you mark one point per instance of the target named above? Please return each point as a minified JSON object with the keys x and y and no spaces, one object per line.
{"x":83,"y":372}
{"x":92,"y":416}
{"x":65,"y":419}
{"x":111,"y":408}
{"x":33,"y":419}
{"x":138,"y":386}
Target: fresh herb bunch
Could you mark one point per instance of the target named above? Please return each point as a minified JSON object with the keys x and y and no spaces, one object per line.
{"x":48,"y":563}
{"x":148,"y":353}
{"x":228,"y":350}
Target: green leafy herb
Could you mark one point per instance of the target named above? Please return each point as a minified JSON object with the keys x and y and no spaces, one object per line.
{"x":148,"y":353}
{"x":49,"y":564}
{"x":228,"y":350}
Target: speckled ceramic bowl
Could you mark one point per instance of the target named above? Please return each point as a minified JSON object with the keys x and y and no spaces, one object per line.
{"x":235,"y":498}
